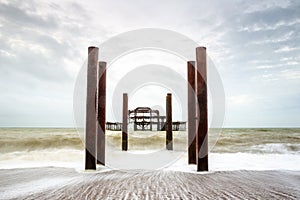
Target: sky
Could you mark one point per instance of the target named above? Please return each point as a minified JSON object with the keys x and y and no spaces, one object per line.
{"x":255,"y":46}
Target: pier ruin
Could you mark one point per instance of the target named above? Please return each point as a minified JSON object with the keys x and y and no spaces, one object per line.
{"x":144,"y":118}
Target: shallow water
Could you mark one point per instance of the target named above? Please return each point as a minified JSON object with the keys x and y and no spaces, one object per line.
{"x":226,"y":141}
{"x":60,"y":183}
{"x":235,"y":151}
{"x":21,"y":147}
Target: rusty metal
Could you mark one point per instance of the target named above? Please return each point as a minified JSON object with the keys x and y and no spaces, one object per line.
{"x":143,"y":118}
{"x":125,"y":123}
{"x":91,"y":109}
{"x":201,"y":89}
{"x":169,"y":133}
{"x":101,"y":113}
{"x":96,"y":104}
{"x":162,"y":123}
{"x":191,"y":112}
{"x":178,"y":126}
{"x":146,"y":119}
{"x":114,"y":126}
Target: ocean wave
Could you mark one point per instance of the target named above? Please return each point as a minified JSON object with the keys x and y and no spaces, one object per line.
{"x":30,"y":144}
{"x":41,"y":158}
{"x":115,"y":159}
{"x":276,"y":148}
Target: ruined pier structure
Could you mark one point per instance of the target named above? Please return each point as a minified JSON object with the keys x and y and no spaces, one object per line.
{"x":146,"y":119}
{"x":197,"y":112}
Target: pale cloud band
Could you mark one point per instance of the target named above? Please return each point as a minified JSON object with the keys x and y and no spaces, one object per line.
{"x":254,"y":44}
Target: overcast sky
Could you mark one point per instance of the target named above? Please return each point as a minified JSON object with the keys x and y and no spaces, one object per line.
{"x":255,"y":46}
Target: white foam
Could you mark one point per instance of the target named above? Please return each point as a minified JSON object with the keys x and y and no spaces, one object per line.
{"x":21,"y":189}
{"x":242,"y":161}
{"x":277,"y":148}
{"x":68,"y":158}
{"x":127,"y":160}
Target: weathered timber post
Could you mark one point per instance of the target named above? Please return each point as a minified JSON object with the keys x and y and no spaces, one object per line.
{"x":201,"y":88}
{"x":91,"y":109}
{"x":150,"y":120}
{"x":101,"y":113}
{"x":158,"y":123}
{"x":124,"y":124}
{"x":134,"y":123}
{"x":169,"y":136}
{"x":163,"y":124}
{"x":191,"y":112}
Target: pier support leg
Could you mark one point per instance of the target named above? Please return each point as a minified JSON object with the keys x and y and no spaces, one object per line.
{"x":191,"y":112}
{"x":150,"y":121}
{"x":169,"y":133}
{"x":134,"y":126}
{"x":101,"y":113}
{"x":124,"y":124}
{"x":91,"y":109}
{"x":158,"y":123}
{"x":202,"y":136}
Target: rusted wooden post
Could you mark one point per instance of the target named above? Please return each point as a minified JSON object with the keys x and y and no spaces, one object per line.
{"x":134,"y":122}
{"x":191,"y":112}
{"x":91,"y":109}
{"x":201,"y":88}
{"x":158,"y":123}
{"x":101,"y":113}
{"x":169,"y":136}
{"x":124,"y":124}
{"x":150,"y":120}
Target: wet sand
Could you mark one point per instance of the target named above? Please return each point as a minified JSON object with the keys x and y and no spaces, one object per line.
{"x":64,"y":183}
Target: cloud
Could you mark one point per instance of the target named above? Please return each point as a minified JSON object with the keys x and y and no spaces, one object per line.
{"x":266,"y":27}
{"x":239,"y":100}
{"x":275,"y":39}
{"x":290,"y":74}
{"x":284,"y":64}
{"x":42,"y":40}
{"x":39,"y":60}
{"x":44,"y":43}
{"x":262,"y":6}
{"x":286,"y":49}
{"x":287,"y":58}
{"x":14,"y":14}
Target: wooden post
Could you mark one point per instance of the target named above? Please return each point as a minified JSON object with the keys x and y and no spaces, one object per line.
{"x":124,"y":124}
{"x":191,"y":112}
{"x":169,"y":136}
{"x":101,"y":113}
{"x":158,"y":123}
{"x":150,"y":120}
{"x":91,"y":109}
{"x":202,"y":137}
{"x":134,"y":123}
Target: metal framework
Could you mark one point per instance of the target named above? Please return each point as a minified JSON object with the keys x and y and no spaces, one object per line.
{"x":143,"y":117}
{"x":146,"y":119}
{"x":113,"y":126}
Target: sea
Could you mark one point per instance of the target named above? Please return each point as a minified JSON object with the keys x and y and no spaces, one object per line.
{"x":229,"y":148}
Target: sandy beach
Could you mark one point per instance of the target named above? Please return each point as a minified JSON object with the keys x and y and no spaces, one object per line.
{"x":64,"y":183}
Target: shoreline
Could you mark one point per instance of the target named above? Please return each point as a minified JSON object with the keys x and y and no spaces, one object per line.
{"x":217,"y":161}
{"x":66,"y":183}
